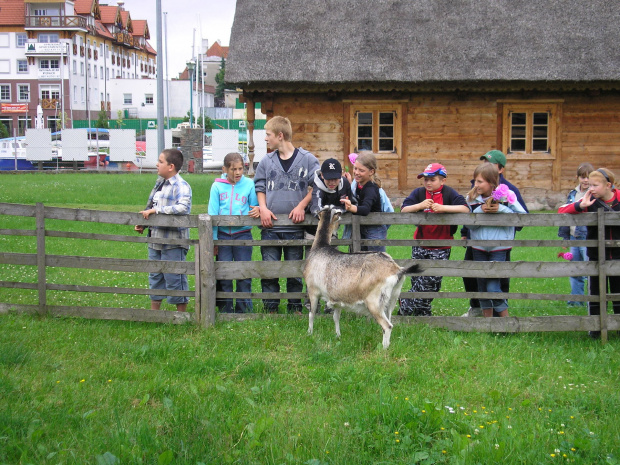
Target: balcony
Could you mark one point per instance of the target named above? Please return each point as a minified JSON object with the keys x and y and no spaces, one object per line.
{"x":55,"y":22}
{"x":50,"y":103}
{"x":123,"y":38}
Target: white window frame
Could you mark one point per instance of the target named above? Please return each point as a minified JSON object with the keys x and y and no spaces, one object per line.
{"x":20,"y":95}
{"x":21,"y":37}
{"x":6,"y":90}
{"x":127,"y":99}
{"x":21,"y":62}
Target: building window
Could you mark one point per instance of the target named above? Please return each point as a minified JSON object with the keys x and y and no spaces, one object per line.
{"x":45,"y":63}
{"x":376,"y":128}
{"x":127,"y":99}
{"x":49,"y":92}
{"x":148,"y":99}
{"x":23,"y":92}
{"x":48,"y":38}
{"x":74,"y":67}
{"x":94,"y":70}
{"x":89,"y":70}
{"x":23,"y":123}
{"x":82,"y":94}
{"x":74,"y":94}
{"x":20,"y":40}
{"x":529,"y":129}
{"x":22,"y":66}
{"x":81,"y":69}
{"x":5,"y":92}
{"x":5,"y":66}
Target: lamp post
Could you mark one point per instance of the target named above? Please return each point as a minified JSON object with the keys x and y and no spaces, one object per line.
{"x":190,"y":69}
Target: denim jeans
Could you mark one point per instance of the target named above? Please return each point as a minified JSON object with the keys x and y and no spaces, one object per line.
{"x":373,"y":232}
{"x":577,"y":283}
{"x":169,"y":281}
{"x":491,"y":284}
{"x":236,"y":253}
{"x":273,"y":253}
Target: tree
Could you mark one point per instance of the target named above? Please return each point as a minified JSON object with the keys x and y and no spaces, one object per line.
{"x":102,"y":122}
{"x":119,"y":119}
{"x":4,"y":132}
{"x":220,"y":84}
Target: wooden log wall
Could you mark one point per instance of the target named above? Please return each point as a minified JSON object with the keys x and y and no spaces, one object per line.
{"x":207,"y":271}
{"x":455,"y":129}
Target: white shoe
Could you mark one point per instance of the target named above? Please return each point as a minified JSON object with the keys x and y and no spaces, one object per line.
{"x":473,"y":312}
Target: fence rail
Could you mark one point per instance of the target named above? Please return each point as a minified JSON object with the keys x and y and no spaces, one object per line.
{"x":207,"y":271}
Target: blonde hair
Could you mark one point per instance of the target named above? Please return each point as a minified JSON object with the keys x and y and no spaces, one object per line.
{"x":280,"y":124}
{"x":604,"y":175}
{"x":369,"y":160}
{"x":489,"y":173}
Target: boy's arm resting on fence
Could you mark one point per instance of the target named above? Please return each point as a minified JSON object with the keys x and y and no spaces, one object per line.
{"x":182,"y":201}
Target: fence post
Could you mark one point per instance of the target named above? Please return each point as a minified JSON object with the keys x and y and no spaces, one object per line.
{"x":41,"y":279}
{"x":206,"y":278}
{"x":602,"y":274}
{"x":197,"y":294}
{"x":356,"y":235}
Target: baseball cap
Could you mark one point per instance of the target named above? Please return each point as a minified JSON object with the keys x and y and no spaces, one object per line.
{"x":331,"y":169}
{"x":434,"y":169}
{"x":494,"y":156}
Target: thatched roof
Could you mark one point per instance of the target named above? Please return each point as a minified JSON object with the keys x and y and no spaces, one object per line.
{"x":402,"y":44}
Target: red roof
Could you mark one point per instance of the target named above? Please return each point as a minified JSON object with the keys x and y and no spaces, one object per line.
{"x":102,"y":30}
{"x":109,"y":14}
{"x":150,"y":49}
{"x":126,"y":18}
{"x":12,"y":13}
{"x":141,"y":28}
{"x":84,"y":7}
{"x":216,"y":50}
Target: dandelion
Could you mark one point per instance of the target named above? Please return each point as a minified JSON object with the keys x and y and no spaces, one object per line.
{"x":423,"y":411}
{"x":444,"y":451}
{"x":564,"y":455}
{"x":469,"y":435}
{"x":397,"y":441}
{"x":573,"y":449}
{"x":82,"y":380}
{"x":510,"y":408}
{"x":406,"y":398}
{"x":396,"y":432}
{"x":481,"y":426}
{"x":552,"y":455}
{"x":442,"y":428}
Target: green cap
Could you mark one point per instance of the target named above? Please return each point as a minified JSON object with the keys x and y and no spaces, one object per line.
{"x":495,"y":156}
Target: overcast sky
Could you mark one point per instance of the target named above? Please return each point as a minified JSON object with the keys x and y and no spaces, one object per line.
{"x":212,"y":20}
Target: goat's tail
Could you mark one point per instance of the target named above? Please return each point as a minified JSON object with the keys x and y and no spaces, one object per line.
{"x":413,"y":269}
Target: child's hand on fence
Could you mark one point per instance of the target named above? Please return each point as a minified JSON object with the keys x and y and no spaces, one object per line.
{"x":346,"y":203}
{"x":298,"y":214}
{"x":138,"y":228}
{"x":147,"y":213}
{"x":254,"y":212}
{"x":438,"y":208}
{"x":493,"y":208}
{"x":267,"y":217}
{"x":426,"y":204}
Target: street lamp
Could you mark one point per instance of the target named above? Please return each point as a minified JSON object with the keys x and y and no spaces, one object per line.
{"x":190,"y":69}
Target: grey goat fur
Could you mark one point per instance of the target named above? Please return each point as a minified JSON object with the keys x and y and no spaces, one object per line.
{"x":367,"y":283}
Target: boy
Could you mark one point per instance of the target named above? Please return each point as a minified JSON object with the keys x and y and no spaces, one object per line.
{"x":171,"y":195}
{"x":330,"y":186}
{"x":471,"y":284}
{"x":283,"y":183}
{"x":434,"y":197}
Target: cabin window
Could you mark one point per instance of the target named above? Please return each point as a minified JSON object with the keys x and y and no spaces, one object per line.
{"x":376,"y":129}
{"x":5,"y":92}
{"x":529,"y":129}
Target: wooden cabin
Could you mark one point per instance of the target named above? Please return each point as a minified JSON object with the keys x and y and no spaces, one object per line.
{"x":421,"y":81}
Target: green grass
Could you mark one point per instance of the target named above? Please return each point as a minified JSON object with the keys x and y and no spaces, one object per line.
{"x":76,"y":391}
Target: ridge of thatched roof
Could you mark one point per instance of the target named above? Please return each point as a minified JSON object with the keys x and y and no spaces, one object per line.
{"x":393,"y":44}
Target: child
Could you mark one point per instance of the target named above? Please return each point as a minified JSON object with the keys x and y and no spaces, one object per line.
{"x":577,"y":283}
{"x":233,"y":194}
{"x":283,"y":181}
{"x":486,"y":197}
{"x":368,"y":198}
{"x":600,"y":195}
{"x":171,"y":195}
{"x":434,"y":197}
{"x":330,"y":186}
{"x":386,"y":204}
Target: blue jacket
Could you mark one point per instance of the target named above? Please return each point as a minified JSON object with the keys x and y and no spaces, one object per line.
{"x":579,"y":232}
{"x":493,"y":233}
{"x":232,"y":199}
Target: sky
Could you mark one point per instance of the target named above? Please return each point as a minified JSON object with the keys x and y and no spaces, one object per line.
{"x":211,"y":19}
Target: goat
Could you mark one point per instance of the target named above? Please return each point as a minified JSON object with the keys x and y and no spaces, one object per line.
{"x":367,"y":283}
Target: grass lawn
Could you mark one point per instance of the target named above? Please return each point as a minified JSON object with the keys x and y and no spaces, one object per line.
{"x":76,"y":391}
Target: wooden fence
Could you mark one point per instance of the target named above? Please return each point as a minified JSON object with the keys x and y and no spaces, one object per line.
{"x":207,"y":271}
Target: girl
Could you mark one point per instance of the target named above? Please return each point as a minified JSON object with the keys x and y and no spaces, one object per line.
{"x":484,"y":198}
{"x":577,"y":283}
{"x":368,"y":198}
{"x":233,"y":194}
{"x":600,"y":195}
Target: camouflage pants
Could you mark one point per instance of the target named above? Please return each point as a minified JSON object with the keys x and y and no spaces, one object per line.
{"x":417,"y":306}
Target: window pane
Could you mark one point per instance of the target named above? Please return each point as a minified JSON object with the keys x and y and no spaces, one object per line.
{"x":518,"y":118}
{"x":541,"y":118}
{"x":386,"y":118}
{"x":540,"y":131}
{"x":386,"y":145}
{"x":540,"y":145}
{"x":386,"y":131}
{"x":364,"y":144}
{"x":364,"y":118}
{"x":518,"y":132}
{"x":517,"y":145}
{"x":364,"y":131}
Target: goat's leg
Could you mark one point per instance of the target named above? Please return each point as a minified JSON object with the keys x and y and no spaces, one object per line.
{"x":314,"y":303}
{"x":337,"y":311}
{"x":378,"y":313}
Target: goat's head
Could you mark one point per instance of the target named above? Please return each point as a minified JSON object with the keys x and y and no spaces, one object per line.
{"x":328,"y":219}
